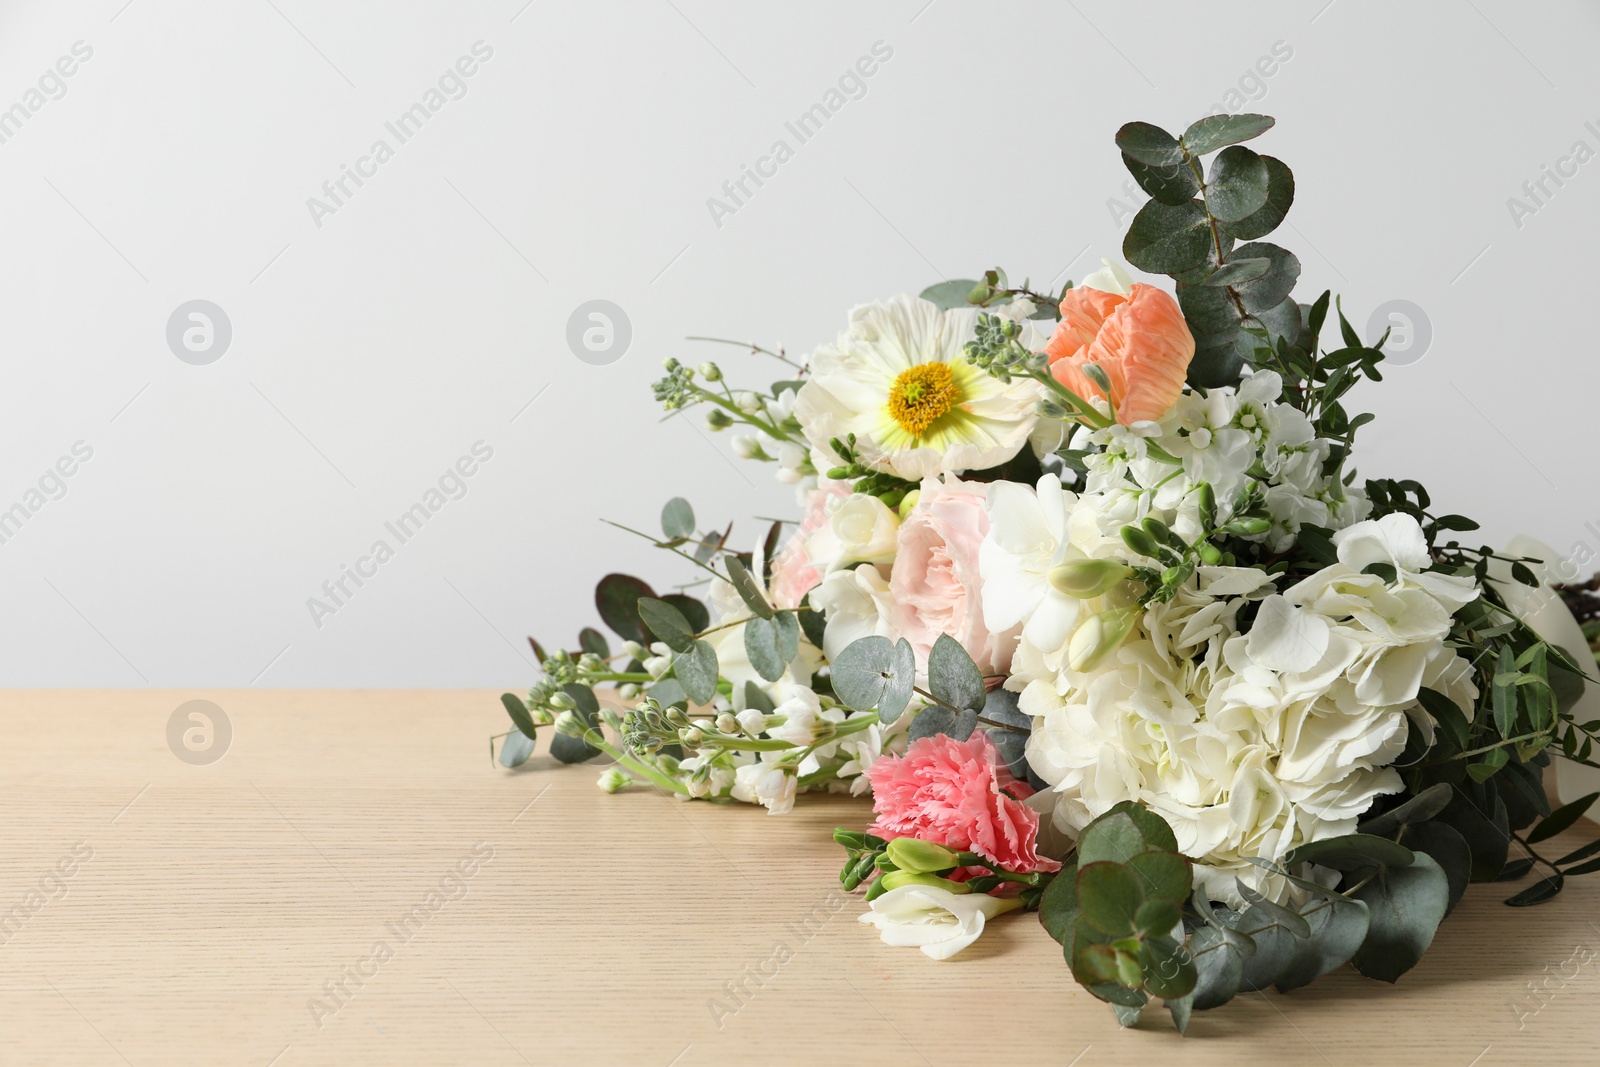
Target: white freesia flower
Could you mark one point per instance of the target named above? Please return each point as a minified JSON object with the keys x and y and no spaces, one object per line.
{"x":937,"y":921}
{"x":768,"y":783}
{"x":898,"y":379}
{"x":857,"y":604}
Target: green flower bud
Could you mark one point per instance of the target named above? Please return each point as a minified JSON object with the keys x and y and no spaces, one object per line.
{"x":561,"y":702}
{"x":1210,"y":554}
{"x":711,"y":372}
{"x":1140,"y":541}
{"x":718,"y":420}
{"x":1099,"y":636}
{"x":1087,"y":578}
{"x":568,"y":723}
{"x":613,"y":780}
{"x":919,"y":857}
{"x":898,"y":879}
{"x":908,"y":502}
{"x":670,"y":364}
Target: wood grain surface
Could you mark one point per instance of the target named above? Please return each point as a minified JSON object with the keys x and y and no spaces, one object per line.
{"x":157,"y":911}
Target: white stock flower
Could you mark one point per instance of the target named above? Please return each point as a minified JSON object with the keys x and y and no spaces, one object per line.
{"x":898,"y":379}
{"x":860,"y":529}
{"x":937,"y":921}
{"x":768,"y":783}
{"x":856,"y":604}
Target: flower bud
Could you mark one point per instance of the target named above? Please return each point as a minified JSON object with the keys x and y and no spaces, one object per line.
{"x":718,"y":420}
{"x":787,"y":475}
{"x":1210,"y":554}
{"x":613,"y":780}
{"x":633,"y":649}
{"x":568,"y":723}
{"x":669,"y":364}
{"x":746,"y":447}
{"x":1098,"y":637}
{"x":711,"y":372}
{"x":908,"y":502}
{"x":697,"y":786}
{"x":561,"y":702}
{"x":1087,"y":578}
{"x":752,"y":720}
{"x":748,"y":402}
{"x":692,"y":736}
{"x":898,"y":879}
{"x":727,"y":723}
{"x":628,"y":691}
{"x":919,"y":857}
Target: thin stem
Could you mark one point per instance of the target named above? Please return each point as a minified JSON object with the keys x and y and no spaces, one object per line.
{"x":752,"y":346}
{"x":662,"y":544}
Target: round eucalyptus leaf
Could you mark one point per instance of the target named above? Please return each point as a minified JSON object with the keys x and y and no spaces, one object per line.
{"x":1109,"y":897}
{"x":1211,"y":313}
{"x":516,"y":749}
{"x":1275,"y":283}
{"x":1406,"y":905}
{"x":1280,"y":197}
{"x":1449,"y":850}
{"x":1219,"y":968}
{"x":1150,"y":145}
{"x":1238,"y":271}
{"x":1419,"y":809}
{"x":1167,"y":238}
{"x":950,"y":294}
{"x":1338,"y":927}
{"x":761,"y":645}
{"x":677,"y":519}
{"x":872,"y":673}
{"x":616,"y":597}
{"x":696,"y":671}
{"x":1352,"y":852}
{"x":952,"y":676}
{"x":1237,"y":184}
{"x":1215,"y":131}
{"x":1169,"y":183}
{"x":666,"y":623}
{"x":934,"y":720}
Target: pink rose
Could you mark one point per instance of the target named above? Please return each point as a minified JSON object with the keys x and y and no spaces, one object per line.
{"x":935,"y":581}
{"x":960,"y":795}
{"x":794,"y":574}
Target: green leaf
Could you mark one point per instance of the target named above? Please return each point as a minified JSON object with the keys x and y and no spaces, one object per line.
{"x":1351,"y":852}
{"x":1210,"y":311}
{"x":813,"y":624}
{"x":668,"y":691}
{"x":570,"y":749}
{"x":1165,"y":238}
{"x":1449,"y":850}
{"x":1486,"y":768}
{"x":1114,"y":837}
{"x":519,"y":713}
{"x":1420,"y":808}
{"x":1216,"y":363}
{"x":756,"y":697}
{"x":667,"y":623}
{"x":1280,"y":196}
{"x":936,"y":720}
{"x":1261,"y":907}
{"x":696,"y":671}
{"x":1269,"y":290}
{"x":1215,"y":131}
{"x":1180,"y":1008}
{"x":1237,"y":184}
{"x":1486,"y":831}
{"x":1097,"y":965}
{"x":1337,"y":930}
{"x":1150,"y":145}
{"x":787,"y":627}
{"x":950,"y":294}
{"x":1406,"y":906}
{"x":516,"y":749}
{"x":952,"y":676}
{"x":745,"y":585}
{"x":1275,"y":947}
{"x":1448,"y":715}
{"x":1577,"y":854}
{"x":1165,"y":875}
{"x":1001,"y":706}
{"x":1219,"y":968}
{"x":677,"y":519}
{"x":761,"y":645}
{"x":1168,"y":970}
{"x":594,"y":642}
{"x":1109,"y":897}
{"x":1157,"y":917}
{"x":1058,"y":907}
{"x":1236,"y":272}
{"x":692,"y":610}
{"x":616,"y":597}
{"x":1503,"y":693}
{"x":872,"y":673}
{"x":1515,"y":871}
{"x":1172,"y":184}
{"x":1561,"y":818}
{"x":1544,"y":889}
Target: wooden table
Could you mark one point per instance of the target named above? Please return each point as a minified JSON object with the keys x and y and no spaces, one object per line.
{"x":209,"y":909}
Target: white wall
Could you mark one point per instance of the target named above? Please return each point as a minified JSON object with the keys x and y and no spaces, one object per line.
{"x":370,"y":352}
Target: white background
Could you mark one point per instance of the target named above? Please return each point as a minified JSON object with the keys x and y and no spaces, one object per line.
{"x":372,"y":351}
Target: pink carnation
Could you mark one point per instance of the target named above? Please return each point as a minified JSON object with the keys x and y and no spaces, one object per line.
{"x":958,"y":794}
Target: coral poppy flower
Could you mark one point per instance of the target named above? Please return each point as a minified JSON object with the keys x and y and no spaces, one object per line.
{"x":1140,"y":340}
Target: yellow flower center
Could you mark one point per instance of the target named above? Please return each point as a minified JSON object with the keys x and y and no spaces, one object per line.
{"x":920,"y":395}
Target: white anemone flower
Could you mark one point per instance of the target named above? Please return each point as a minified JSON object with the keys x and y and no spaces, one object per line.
{"x":899,"y":380}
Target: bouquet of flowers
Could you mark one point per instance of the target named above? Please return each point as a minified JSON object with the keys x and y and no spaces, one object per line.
{"x":1087,"y":594}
